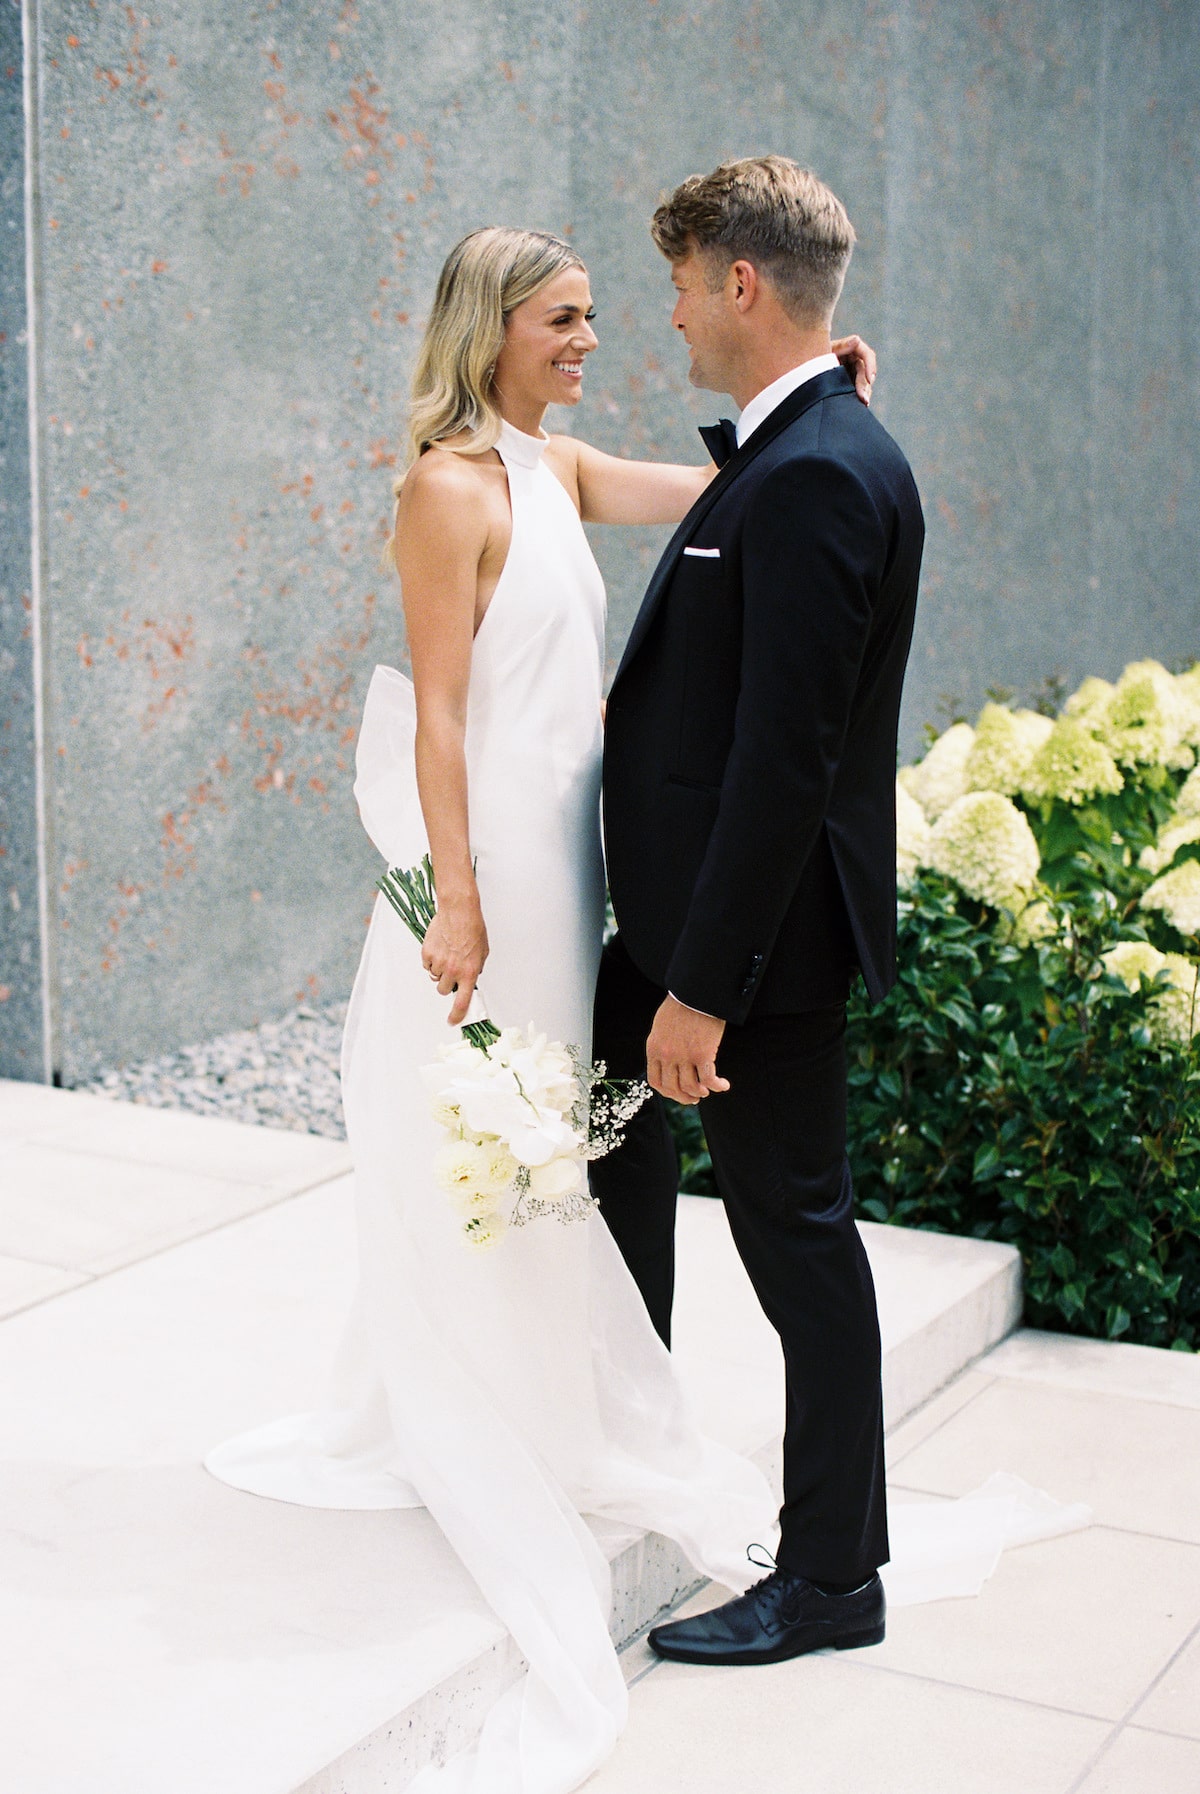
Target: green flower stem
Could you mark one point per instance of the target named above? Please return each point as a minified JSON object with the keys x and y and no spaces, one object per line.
{"x":413,"y":896}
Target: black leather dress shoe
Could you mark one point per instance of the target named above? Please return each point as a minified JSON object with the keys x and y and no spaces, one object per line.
{"x":781,"y":1616}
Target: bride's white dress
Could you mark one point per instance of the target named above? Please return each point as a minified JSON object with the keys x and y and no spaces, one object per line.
{"x":513,"y":1390}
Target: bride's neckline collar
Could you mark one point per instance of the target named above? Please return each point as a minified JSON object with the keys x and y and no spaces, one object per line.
{"x":516,"y":446}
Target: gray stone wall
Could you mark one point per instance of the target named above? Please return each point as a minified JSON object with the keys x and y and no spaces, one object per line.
{"x":22,"y":1034}
{"x":243,"y":212}
{"x":1025,"y":182}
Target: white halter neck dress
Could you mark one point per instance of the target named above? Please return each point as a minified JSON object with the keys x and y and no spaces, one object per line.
{"x":513,"y":1390}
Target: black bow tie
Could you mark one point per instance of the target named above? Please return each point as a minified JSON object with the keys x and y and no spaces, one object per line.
{"x":720,"y":440}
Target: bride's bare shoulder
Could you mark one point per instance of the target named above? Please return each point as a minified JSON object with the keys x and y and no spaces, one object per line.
{"x":440,"y":480}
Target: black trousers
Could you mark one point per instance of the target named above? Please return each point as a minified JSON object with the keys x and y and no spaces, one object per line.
{"x":778,"y":1143}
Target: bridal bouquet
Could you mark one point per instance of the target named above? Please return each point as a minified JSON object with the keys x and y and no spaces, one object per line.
{"x":521,"y":1113}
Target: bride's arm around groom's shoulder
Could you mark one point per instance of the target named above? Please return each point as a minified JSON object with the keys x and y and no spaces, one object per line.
{"x":614,"y":489}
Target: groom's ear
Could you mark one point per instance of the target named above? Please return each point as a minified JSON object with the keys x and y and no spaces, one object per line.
{"x":742,"y":284}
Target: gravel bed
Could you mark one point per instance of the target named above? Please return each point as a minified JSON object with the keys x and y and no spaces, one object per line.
{"x":281,"y":1074}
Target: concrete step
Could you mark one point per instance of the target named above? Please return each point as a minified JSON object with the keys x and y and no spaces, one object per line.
{"x":160,"y":1631}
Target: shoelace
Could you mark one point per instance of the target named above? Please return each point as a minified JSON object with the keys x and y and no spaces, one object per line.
{"x":788,"y":1609}
{"x":764,"y":1562}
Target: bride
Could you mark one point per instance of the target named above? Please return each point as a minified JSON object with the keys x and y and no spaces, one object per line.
{"x":511,"y":1391}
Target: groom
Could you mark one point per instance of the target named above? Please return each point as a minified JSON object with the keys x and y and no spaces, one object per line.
{"x":750,"y":830}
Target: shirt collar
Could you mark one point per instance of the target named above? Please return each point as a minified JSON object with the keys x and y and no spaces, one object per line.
{"x":764,"y":402}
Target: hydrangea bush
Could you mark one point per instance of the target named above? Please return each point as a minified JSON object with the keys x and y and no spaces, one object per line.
{"x":1035,"y":1075}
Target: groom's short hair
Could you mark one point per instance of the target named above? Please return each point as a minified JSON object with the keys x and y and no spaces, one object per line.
{"x":769,"y":211}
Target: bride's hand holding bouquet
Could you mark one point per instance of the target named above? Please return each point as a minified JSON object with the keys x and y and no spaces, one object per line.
{"x":455,"y":949}
{"x":522,"y":1113}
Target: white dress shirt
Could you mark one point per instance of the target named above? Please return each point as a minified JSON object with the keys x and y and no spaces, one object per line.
{"x":760,"y":407}
{"x":764,"y":402}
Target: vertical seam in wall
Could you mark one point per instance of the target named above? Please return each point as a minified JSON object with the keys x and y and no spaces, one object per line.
{"x":40,"y":621}
{"x":1100,"y":164}
{"x":897,"y":174}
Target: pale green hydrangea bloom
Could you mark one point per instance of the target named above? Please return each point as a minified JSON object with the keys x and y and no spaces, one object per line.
{"x":1005,"y":742}
{"x":1090,"y":702}
{"x":1036,"y":922}
{"x":1146,"y":721}
{"x":1189,"y":797}
{"x":1176,"y":895}
{"x":1187,"y":692}
{"x":1034,"y":728}
{"x":1071,"y":765}
{"x":1131,"y":961}
{"x":1175,"y":1017}
{"x":987,"y":847}
{"x":1173,"y":1013}
{"x":913,"y":834}
{"x":1176,"y":835}
{"x":941,"y":777}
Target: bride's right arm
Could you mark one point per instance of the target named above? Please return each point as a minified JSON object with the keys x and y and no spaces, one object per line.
{"x":441,"y":533}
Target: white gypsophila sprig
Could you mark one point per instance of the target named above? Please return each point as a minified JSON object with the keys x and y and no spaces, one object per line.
{"x":941,"y":777}
{"x":1071,"y":765}
{"x":913,"y":836}
{"x":1005,"y":743}
{"x":987,"y":847}
{"x":1176,"y":896}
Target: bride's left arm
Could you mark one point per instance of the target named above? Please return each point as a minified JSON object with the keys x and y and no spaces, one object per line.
{"x":613,"y":490}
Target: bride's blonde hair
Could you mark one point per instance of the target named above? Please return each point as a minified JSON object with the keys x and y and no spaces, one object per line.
{"x":484,"y":278}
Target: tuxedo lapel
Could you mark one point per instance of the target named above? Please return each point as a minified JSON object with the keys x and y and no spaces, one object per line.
{"x":835,"y":383}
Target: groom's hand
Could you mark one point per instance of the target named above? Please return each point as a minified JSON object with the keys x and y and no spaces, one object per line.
{"x":681,"y":1053}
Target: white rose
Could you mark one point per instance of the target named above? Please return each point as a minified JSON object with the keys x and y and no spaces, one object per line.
{"x":460,"y":1167}
{"x":447,"y":1115}
{"x":552,"y":1182}
{"x":484,"y":1231}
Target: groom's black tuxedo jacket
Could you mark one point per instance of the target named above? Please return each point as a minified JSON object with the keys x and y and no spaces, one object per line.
{"x":750,"y":751}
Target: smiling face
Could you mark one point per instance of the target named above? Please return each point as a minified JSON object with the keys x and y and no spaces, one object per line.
{"x":545,"y":342}
{"x":707,"y":316}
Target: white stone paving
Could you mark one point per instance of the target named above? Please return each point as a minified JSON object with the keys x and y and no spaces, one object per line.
{"x":160,"y":1634}
{"x":1076,"y":1671}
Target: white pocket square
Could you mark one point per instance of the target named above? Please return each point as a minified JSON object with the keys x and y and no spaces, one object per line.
{"x":708,"y":554}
